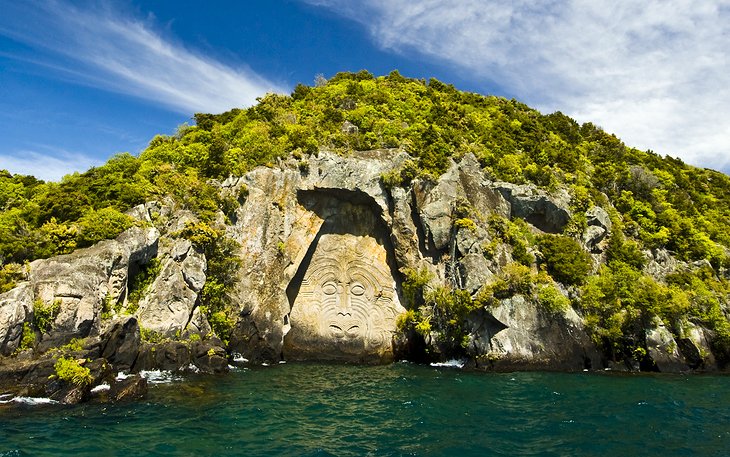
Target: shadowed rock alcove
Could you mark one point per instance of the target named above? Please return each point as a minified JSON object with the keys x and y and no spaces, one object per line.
{"x":344,"y":298}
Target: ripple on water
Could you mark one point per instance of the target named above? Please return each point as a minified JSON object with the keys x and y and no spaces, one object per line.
{"x":402,"y":409}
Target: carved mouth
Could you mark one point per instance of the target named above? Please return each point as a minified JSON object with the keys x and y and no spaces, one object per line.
{"x":350,"y":332}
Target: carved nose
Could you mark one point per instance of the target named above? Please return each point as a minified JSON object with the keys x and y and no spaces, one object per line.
{"x":344,"y":301}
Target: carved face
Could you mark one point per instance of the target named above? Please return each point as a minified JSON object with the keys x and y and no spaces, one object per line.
{"x":346,"y":300}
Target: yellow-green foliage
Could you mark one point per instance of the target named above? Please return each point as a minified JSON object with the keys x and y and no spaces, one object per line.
{"x":10,"y":274}
{"x":515,"y":233}
{"x":465,"y":223}
{"x":413,"y":285}
{"x":71,"y":371}
{"x":551,"y":299}
{"x":661,"y":203}
{"x":45,"y":315}
{"x":28,"y":339}
{"x":222,"y":324}
{"x":99,"y":225}
{"x":150,"y":336}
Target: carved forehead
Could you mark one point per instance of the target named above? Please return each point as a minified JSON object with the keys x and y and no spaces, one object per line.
{"x":347,"y":258}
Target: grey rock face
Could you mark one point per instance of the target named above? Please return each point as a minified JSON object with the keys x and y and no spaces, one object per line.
{"x":16,"y":308}
{"x":599,"y":226}
{"x":82,"y":280}
{"x":549,"y":213}
{"x":517,"y":335}
{"x":663,"y":349}
{"x":168,"y":307}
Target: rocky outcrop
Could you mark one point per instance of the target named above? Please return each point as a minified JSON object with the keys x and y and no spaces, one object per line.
{"x":77,"y":285}
{"x":519,"y":335}
{"x":170,"y":307}
{"x":323,"y":245}
{"x":597,"y":230}
{"x":548,"y":212}
{"x":16,"y":308}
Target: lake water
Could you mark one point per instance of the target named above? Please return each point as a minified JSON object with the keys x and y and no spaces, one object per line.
{"x":400,"y":409}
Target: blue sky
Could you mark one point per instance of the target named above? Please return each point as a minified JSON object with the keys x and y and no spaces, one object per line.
{"x":81,"y":81}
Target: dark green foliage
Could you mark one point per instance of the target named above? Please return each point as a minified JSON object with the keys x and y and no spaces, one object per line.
{"x":565,"y":259}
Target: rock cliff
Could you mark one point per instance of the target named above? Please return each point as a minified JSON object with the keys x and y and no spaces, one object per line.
{"x":325,"y":248}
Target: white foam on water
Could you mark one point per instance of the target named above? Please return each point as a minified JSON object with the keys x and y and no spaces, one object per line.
{"x":121,"y":376}
{"x":282,"y":362}
{"x":193,"y":369}
{"x":101,"y":388}
{"x":32,"y":401}
{"x":160,"y":376}
{"x":450,"y":364}
{"x":239,"y":358}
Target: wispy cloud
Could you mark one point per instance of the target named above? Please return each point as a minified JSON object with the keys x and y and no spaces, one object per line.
{"x":47,"y":163}
{"x":103,"y":47}
{"x":655,"y":72}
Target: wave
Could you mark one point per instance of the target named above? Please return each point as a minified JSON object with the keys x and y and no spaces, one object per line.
{"x":160,"y":376}
{"x":32,"y":401}
{"x":450,"y":364}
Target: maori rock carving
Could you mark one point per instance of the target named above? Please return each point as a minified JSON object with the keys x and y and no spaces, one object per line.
{"x":347,"y":304}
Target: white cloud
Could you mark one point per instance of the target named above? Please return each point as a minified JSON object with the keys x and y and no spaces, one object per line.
{"x":656,"y":73}
{"x":51,"y":165}
{"x":104,"y":48}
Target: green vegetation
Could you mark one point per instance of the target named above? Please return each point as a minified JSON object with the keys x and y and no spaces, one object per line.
{"x":45,"y":315}
{"x":28,"y":339}
{"x":140,"y":282}
{"x":71,"y":371}
{"x":223,"y":266}
{"x":655,"y":203}
{"x":565,"y":259}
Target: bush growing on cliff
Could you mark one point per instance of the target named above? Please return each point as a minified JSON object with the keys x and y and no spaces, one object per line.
{"x":70,"y":370}
{"x":140,"y":282}
{"x":45,"y":315}
{"x":565,"y":259}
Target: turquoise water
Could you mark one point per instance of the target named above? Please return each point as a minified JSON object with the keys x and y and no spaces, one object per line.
{"x":401,"y":409}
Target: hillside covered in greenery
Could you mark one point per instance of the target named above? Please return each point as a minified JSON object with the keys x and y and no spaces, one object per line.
{"x":655,"y":203}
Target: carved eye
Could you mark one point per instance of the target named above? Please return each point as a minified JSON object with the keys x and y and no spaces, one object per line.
{"x":357,"y":289}
{"x":353,"y":331}
{"x":329,"y":288}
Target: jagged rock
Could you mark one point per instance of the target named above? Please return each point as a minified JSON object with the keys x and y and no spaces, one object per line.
{"x":169,"y":356}
{"x":133,"y":387}
{"x":598,"y":217}
{"x":79,"y":282}
{"x":599,"y":226}
{"x":121,"y":343}
{"x":348,"y":128}
{"x":210,"y":357}
{"x":517,"y":335}
{"x":462,"y":182}
{"x":16,"y":308}
{"x":475,"y":271}
{"x":168,"y":307}
{"x":661,"y":263}
{"x":663,"y":350}
{"x":548,"y":212}
{"x":695,"y":347}
{"x":283,"y":214}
